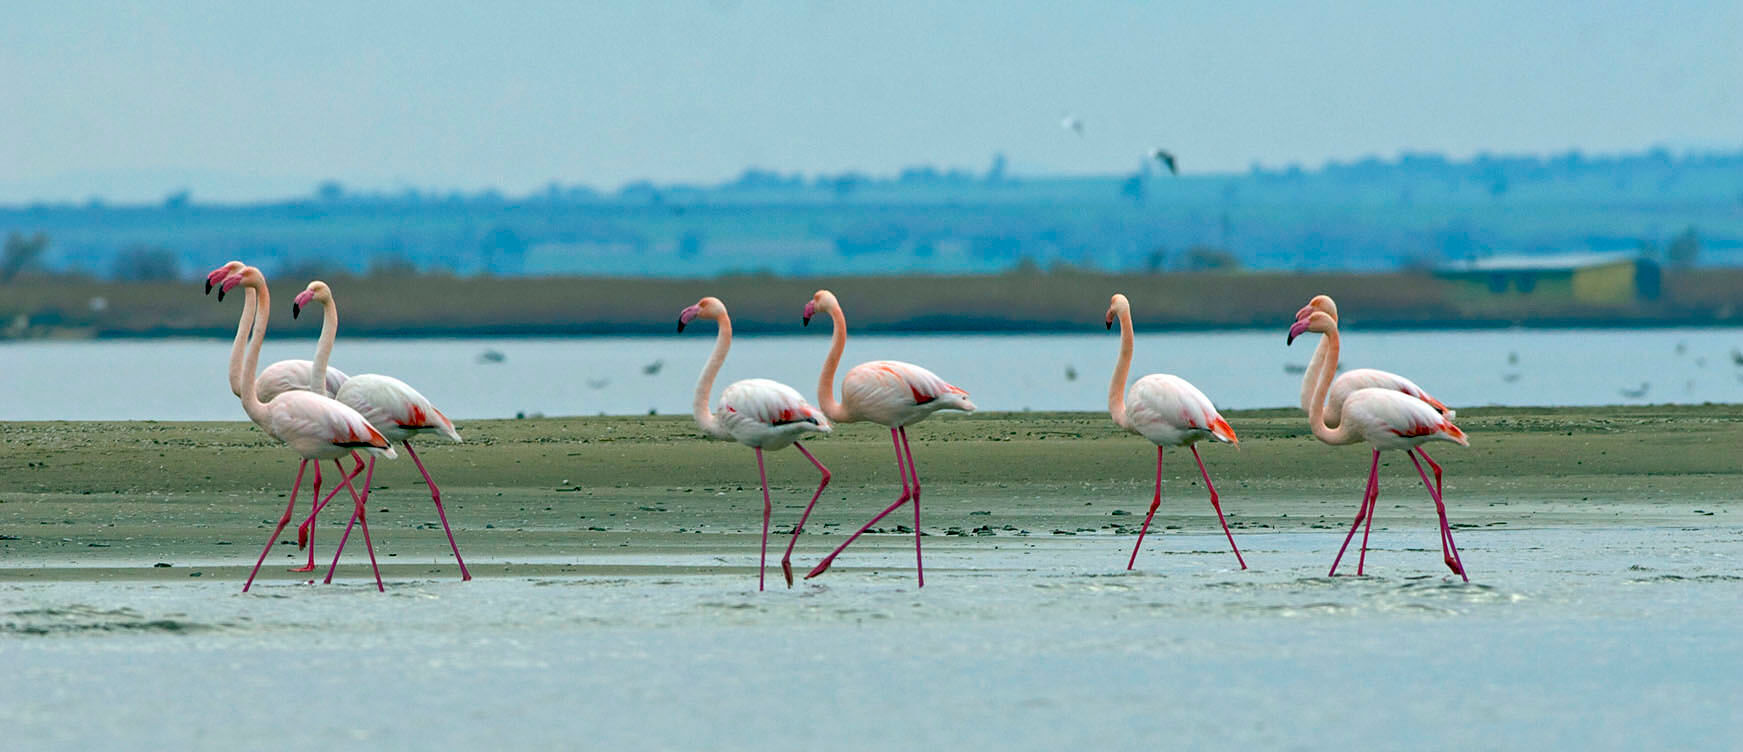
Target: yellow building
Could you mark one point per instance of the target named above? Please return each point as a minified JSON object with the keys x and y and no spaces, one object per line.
{"x":1584,"y":277}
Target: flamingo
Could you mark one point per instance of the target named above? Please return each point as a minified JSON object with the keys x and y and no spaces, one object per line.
{"x":395,"y":409}
{"x":1385,"y":419}
{"x":276,"y":379}
{"x":887,"y":392}
{"x":757,"y":413}
{"x":1361,"y":378}
{"x":314,"y":426}
{"x":1167,"y":410}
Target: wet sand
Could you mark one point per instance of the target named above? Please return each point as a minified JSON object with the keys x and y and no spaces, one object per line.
{"x":615,"y":600}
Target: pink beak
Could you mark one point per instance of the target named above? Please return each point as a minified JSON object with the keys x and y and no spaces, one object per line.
{"x":212,"y":279}
{"x":301,"y":300}
{"x":1297,"y":330}
{"x":1305,"y":311}
{"x":687,"y":315}
{"x":230,"y":283}
{"x":810,"y":310}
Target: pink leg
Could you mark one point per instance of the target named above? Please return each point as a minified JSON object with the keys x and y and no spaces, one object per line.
{"x":1453,"y":563}
{"x":1373,"y":501}
{"x":1362,"y":513}
{"x":763,"y":560}
{"x":1218,"y":507}
{"x":823,"y":566}
{"x":1156,"y":502}
{"x":787,"y":559}
{"x":369,"y":476}
{"x":306,"y":532}
{"x":1444,"y":551}
{"x":282,"y":521}
{"x":914,"y":472}
{"x":363,"y":521}
{"x":355,"y":471}
{"x":436,"y":496}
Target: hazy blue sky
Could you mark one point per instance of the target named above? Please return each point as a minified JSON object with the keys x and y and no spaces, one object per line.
{"x":242,"y":100}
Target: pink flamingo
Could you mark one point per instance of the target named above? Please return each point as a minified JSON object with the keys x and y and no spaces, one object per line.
{"x":395,"y":409}
{"x":314,"y":426}
{"x":1169,"y":411}
{"x":887,"y":392}
{"x":1361,"y":378}
{"x":757,"y":413}
{"x":1383,"y":418}
{"x":276,"y":379}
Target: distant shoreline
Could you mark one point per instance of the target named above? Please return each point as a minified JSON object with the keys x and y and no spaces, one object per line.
{"x":439,"y":307}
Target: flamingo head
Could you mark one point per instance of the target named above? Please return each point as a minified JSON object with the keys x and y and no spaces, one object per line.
{"x":317,"y":290}
{"x":1319,"y":303}
{"x":247,"y":276}
{"x":219,"y":274}
{"x":1117,"y":306}
{"x":706,"y":308}
{"x":1318,"y":322}
{"x":823,"y":301}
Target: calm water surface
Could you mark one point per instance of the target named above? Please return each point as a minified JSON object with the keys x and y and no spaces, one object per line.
{"x":183,"y":379}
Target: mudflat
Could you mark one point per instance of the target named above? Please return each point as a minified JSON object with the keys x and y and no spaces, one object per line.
{"x":624,"y":495}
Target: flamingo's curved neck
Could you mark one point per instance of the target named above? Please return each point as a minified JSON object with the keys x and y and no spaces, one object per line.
{"x":826,"y":382}
{"x":1309,"y":382}
{"x":262,"y":312}
{"x":705,"y":384}
{"x":238,"y":347}
{"x":1321,"y":381}
{"x":324,"y":348}
{"x":1122,"y":367}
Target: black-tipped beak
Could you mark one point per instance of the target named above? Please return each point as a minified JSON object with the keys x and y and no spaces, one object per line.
{"x":1290,"y":340}
{"x":1110,"y":326}
{"x":220,"y":294}
{"x":805,"y":321}
{"x":680,"y":325}
{"x":1297,"y":330}
{"x":296,"y":308}
{"x":208,"y":287}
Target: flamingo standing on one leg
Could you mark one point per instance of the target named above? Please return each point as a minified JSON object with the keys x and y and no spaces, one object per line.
{"x":395,"y":409}
{"x":315,"y":426}
{"x":1385,"y":419}
{"x":887,"y":392}
{"x":276,"y":379}
{"x":757,"y":413}
{"x":1169,"y":411}
{"x":1347,"y":383}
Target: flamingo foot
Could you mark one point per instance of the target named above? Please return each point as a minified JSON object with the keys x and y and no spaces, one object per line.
{"x":822,"y":566}
{"x":310,"y":567}
{"x":787,"y":571}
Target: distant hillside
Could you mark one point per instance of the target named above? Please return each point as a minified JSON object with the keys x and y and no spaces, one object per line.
{"x":1361,"y":216}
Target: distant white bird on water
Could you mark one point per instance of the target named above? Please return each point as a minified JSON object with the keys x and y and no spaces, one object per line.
{"x":1072,"y":123}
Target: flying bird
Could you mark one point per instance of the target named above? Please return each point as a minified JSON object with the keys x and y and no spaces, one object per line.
{"x":1166,"y":158}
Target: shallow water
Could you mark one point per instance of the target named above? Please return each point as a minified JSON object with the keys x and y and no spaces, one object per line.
{"x":185,"y":380}
{"x":1601,"y":638}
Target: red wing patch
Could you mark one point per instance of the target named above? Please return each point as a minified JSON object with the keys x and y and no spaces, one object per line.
{"x":920,"y":398}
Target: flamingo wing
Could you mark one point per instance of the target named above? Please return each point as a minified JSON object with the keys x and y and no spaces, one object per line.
{"x":293,"y":375}
{"x":894,"y":383}
{"x":1388,"y":416}
{"x":394,"y":407}
{"x":304,"y":418}
{"x":1164,"y":406}
{"x":770,"y":403}
{"x":1349,"y":382}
